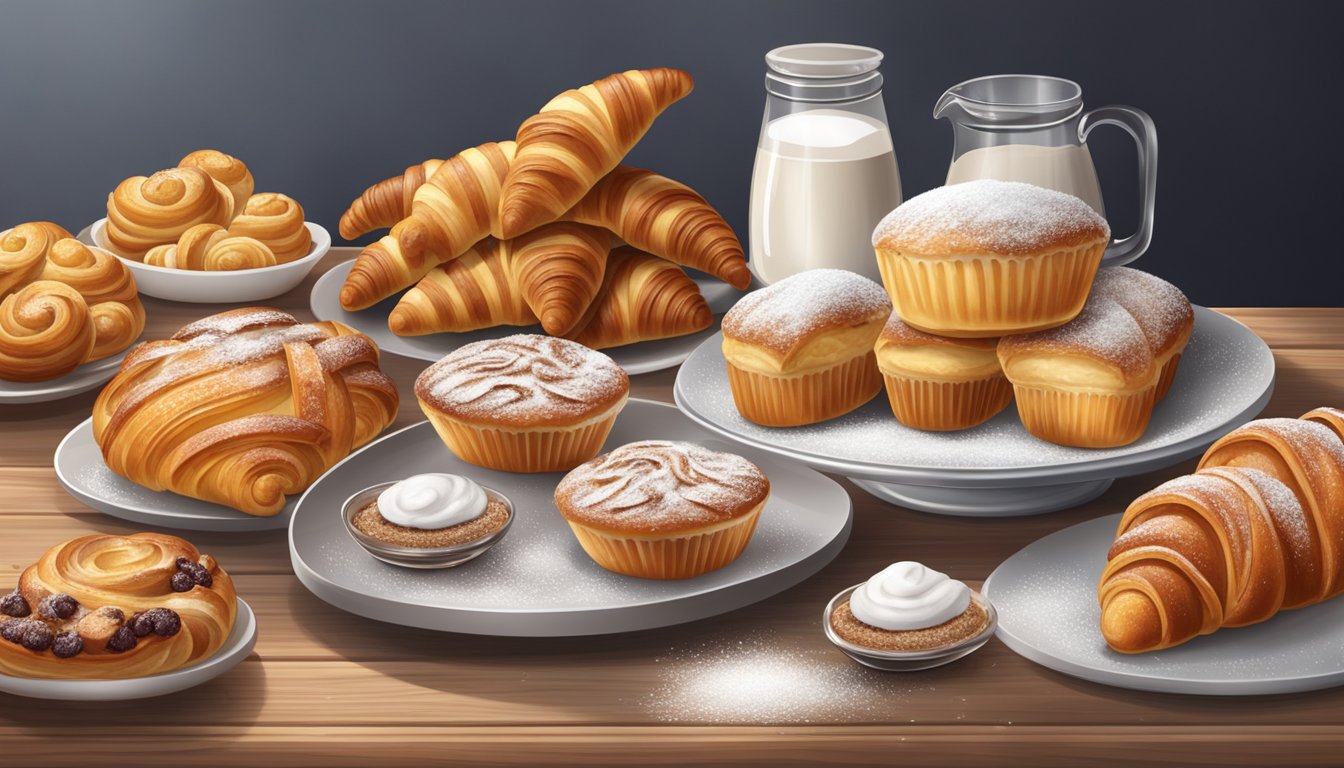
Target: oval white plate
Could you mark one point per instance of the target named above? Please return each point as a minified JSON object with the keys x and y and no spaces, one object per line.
{"x":82,"y":379}
{"x":236,"y":647}
{"x":537,"y":581}
{"x":644,"y":357}
{"x":239,"y":285}
{"x":81,"y":471}
{"x":1046,"y":596}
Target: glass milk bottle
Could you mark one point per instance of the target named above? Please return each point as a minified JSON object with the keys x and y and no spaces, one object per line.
{"x":825,"y":170}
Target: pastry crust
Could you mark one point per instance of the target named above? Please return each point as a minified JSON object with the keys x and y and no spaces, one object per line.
{"x":903,"y":349}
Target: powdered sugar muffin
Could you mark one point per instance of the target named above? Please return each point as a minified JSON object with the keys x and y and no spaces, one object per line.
{"x":801,"y":351}
{"x":988,"y":258}
{"x":523,"y":403}
{"x":663,"y":510}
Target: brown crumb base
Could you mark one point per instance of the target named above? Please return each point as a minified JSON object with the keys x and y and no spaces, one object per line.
{"x":372,"y":524}
{"x":950,"y":632}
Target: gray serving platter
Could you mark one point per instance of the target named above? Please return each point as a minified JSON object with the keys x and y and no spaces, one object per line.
{"x":82,"y":379}
{"x":1226,"y":377}
{"x":538,"y":582}
{"x":644,"y":357}
{"x":1046,"y":596}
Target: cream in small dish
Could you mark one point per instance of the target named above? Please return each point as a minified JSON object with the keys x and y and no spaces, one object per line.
{"x":432,"y":520}
{"x":908,"y":617}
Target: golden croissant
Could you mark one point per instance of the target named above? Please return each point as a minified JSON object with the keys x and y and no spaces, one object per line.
{"x":559,"y":269}
{"x":387,"y":202}
{"x":107,"y":607}
{"x":143,"y":212}
{"x":1259,"y":528}
{"x":226,"y":169}
{"x":64,"y":303}
{"x":211,"y":248}
{"x":276,"y":221}
{"x":642,"y":298}
{"x":243,"y":408}
{"x":577,"y":138}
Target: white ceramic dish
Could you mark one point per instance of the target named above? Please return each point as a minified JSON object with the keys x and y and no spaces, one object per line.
{"x":644,"y":357}
{"x":538,"y":582}
{"x":1226,"y":377}
{"x":235,"y":286}
{"x":236,"y":647}
{"x":1046,"y":596}
{"x":84,"y":378}
{"x":81,"y":471}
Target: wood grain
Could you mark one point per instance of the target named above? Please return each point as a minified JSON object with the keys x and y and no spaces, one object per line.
{"x":328,"y":688}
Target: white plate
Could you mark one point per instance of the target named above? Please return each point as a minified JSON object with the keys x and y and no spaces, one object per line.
{"x":644,"y":357}
{"x":1046,"y":596}
{"x":81,"y":471}
{"x":199,"y":287}
{"x":537,"y":581}
{"x":82,"y":379}
{"x":1226,"y":377}
{"x":236,"y":647}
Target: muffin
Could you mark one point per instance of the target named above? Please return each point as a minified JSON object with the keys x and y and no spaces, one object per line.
{"x":908,"y":608}
{"x":1093,"y":382}
{"x":988,"y":258}
{"x":523,"y":403}
{"x":663,"y":510}
{"x":801,"y":351}
{"x":431,"y":511}
{"x":939,"y":383}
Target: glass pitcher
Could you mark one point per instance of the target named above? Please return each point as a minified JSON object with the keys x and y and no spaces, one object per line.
{"x":825,"y":171}
{"x":1032,"y":128}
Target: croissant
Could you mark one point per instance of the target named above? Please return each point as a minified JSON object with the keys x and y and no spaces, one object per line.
{"x":143,"y":212}
{"x":578,"y":137}
{"x":276,"y":221}
{"x":642,"y":298}
{"x":476,"y":290}
{"x":387,"y":202}
{"x":227,"y":169}
{"x":242,"y":408}
{"x":105,"y":606}
{"x":559,"y":268}
{"x":210,"y":247}
{"x":1257,"y":529}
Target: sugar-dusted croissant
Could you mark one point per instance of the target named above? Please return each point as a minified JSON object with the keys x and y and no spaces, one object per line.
{"x":667,"y":219}
{"x":450,"y":213}
{"x":559,"y":269}
{"x":1257,"y":529}
{"x":243,"y":408}
{"x":578,"y":137}
{"x":211,"y":248}
{"x":108,"y":607}
{"x":642,"y":298}
{"x":227,"y":169}
{"x":275,"y":220}
{"x":143,"y":212}
{"x":387,"y":202}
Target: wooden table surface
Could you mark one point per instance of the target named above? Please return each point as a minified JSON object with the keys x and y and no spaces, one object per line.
{"x":760,"y":685}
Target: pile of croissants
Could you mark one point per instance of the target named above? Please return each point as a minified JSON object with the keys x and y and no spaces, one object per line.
{"x":549,"y":228}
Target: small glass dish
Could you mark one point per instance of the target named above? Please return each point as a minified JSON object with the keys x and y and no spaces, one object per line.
{"x":421,"y":557}
{"x":909,"y":661}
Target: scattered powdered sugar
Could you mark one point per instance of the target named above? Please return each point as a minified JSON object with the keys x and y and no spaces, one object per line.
{"x":1159,"y":307}
{"x":1007,"y":217}
{"x":786,"y":313}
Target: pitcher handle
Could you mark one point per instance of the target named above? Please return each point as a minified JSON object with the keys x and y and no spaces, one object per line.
{"x":1140,"y":127}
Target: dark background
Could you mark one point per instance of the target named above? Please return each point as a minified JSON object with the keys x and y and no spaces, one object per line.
{"x":323,"y":98}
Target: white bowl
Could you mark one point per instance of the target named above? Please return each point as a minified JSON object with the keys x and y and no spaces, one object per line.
{"x":239,"y":285}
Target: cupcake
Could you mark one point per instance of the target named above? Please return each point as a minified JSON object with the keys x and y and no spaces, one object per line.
{"x":663,"y":510}
{"x":523,"y":403}
{"x":940,"y":383}
{"x":988,"y":258}
{"x":908,"y":610}
{"x":801,"y":351}
{"x":428,"y":521}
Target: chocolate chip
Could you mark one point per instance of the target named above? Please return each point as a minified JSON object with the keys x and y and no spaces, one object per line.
{"x":166,"y":622}
{"x":10,"y":630}
{"x":122,"y":640}
{"x":140,"y":625}
{"x":67,"y":644}
{"x":200,"y":575}
{"x":58,"y":606}
{"x":30,"y":633}
{"x":183,"y":562}
{"x":182,"y":582}
{"x":14,"y":605}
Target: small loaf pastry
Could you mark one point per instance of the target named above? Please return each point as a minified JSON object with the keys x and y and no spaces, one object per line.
{"x":211,"y":248}
{"x":243,"y":408}
{"x":227,"y":169}
{"x":143,"y":212}
{"x":115,"y":607}
{"x":1093,"y":382}
{"x":387,"y":202}
{"x":940,"y":383}
{"x":801,"y":351}
{"x":523,"y":403}
{"x":663,"y":510}
{"x":989,"y":258}
{"x":276,"y":221}
{"x":1259,"y":528}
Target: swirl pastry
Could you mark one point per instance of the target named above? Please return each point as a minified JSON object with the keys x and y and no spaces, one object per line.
{"x":243,"y":408}
{"x":211,"y":248}
{"x":143,"y":212}
{"x":102,"y":607}
{"x":23,"y":252}
{"x":663,"y":510}
{"x":276,"y":221}
{"x":227,"y":169}
{"x":523,"y":403}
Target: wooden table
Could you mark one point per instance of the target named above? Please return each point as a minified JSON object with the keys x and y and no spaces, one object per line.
{"x":760,"y":685}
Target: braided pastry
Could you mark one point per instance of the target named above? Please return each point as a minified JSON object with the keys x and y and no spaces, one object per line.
{"x":211,"y":248}
{"x":227,"y":169}
{"x":243,"y":408}
{"x":102,"y":607}
{"x":387,"y":202}
{"x":276,"y":221}
{"x":143,"y":212}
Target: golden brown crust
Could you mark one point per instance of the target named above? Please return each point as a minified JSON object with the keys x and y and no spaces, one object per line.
{"x":642,"y":297}
{"x":387,"y":202}
{"x":898,"y":333}
{"x":785,"y":316}
{"x":145,"y":211}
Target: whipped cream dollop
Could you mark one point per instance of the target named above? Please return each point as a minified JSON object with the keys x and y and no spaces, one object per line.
{"x":432,"y":500}
{"x":906,"y":595}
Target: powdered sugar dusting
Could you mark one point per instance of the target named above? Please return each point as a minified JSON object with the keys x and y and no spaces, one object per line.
{"x":787,"y":313}
{"x":1006,"y":217}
